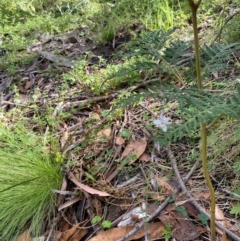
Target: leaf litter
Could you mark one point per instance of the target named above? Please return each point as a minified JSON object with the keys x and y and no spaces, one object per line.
{"x":91,"y":149}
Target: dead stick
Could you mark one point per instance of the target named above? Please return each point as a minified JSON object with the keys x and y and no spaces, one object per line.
{"x":160,"y":208}
{"x":235,"y":195}
{"x":184,"y":189}
{"x":237,"y":11}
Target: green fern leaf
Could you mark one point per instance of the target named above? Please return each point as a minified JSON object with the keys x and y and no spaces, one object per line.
{"x":235,"y":209}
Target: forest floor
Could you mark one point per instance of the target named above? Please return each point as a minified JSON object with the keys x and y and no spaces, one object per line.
{"x":116,"y":196}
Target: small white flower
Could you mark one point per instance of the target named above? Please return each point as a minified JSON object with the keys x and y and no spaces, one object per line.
{"x":162,"y":122}
{"x":143,"y":206}
{"x":157,"y":146}
{"x":152,"y":157}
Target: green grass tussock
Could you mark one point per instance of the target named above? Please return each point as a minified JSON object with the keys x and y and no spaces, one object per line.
{"x":28,"y":173}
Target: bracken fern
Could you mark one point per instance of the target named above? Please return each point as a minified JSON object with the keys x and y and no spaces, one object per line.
{"x":196,"y":105}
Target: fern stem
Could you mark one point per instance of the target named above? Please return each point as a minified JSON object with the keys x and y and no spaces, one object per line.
{"x":214,"y":122}
{"x":207,"y":178}
{"x":194,"y":6}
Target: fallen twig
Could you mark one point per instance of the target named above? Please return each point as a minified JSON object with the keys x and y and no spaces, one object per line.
{"x":184,"y":189}
{"x":129,"y":181}
{"x":236,"y":196}
{"x":159,"y":209}
{"x":236,"y":11}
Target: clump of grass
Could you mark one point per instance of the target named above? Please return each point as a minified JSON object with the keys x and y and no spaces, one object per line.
{"x":28,"y":173}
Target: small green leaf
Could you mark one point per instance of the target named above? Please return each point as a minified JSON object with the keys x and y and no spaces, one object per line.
{"x":105,"y":113}
{"x":238,"y":133}
{"x":172,"y":198}
{"x":235,"y":209}
{"x":96,"y":219}
{"x":204,"y":218}
{"x":106,"y":224}
{"x":167,"y":231}
{"x":89,"y":176}
{"x":126,"y":133}
{"x":237,"y":191}
{"x":182,"y":210}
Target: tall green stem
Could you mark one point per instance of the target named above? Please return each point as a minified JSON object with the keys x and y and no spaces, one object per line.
{"x":194,"y":6}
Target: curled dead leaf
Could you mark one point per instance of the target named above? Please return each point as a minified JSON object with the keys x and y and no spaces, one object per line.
{"x":135,"y":148}
{"x":183,"y":229}
{"x":87,"y":188}
{"x":154,"y":229}
{"x":145,"y":157}
{"x":75,"y":233}
{"x":220,"y":218}
{"x":104,"y":134}
{"x":119,"y":141}
{"x":25,"y":236}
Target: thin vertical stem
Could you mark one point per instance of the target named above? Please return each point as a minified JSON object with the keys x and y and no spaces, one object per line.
{"x":208,"y":180}
{"x":194,"y":6}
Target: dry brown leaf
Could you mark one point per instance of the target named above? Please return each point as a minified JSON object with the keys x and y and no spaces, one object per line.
{"x":87,"y":188}
{"x":64,"y":184}
{"x":58,"y":60}
{"x":154,"y":229}
{"x":64,"y":223}
{"x":183,"y":229}
{"x":219,"y":215}
{"x":157,"y":196}
{"x":40,"y":81}
{"x":190,"y":182}
{"x":202,"y":229}
{"x":205,"y":195}
{"x":63,"y":188}
{"x":75,"y":233}
{"x":119,"y":141}
{"x":29,"y":84}
{"x":163,"y":182}
{"x":22,"y":90}
{"x":224,"y":237}
{"x":55,"y":236}
{"x":22,"y":98}
{"x":47,"y":87}
{"x":69,"y":203}
{"x":97,"y":109}
{"x":220,"y":218}
{"x":24,"y":236}
{"x":64,"y":136}
{"x":79,"y":235}
{"x":190,"y":208}
{"x":145,"y":157}
{"x":135,"y":148}
{"x":97,"y":205}
{"x":105,"y":133}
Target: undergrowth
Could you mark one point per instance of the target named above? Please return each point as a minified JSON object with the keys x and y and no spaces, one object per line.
{"x":28,"y":174}
{"x":163,"y":57}
{"x":29,"y":169}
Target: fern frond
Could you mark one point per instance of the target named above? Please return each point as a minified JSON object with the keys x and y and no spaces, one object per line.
{"x":216,"y":57}
{"x":146,"y":65}
{"x":177,"y":51}
{"x":195,"y":105}
{"x":177,"y":56}
{"x":200,"y":106}
{"x":151,"y":45}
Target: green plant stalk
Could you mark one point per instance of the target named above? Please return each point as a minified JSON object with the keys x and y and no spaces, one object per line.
{"x":194,"y":6}
{"x":214,"y":122}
